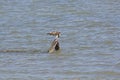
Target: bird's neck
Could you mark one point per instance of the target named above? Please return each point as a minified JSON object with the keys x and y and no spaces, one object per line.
{"x":57,"y":36}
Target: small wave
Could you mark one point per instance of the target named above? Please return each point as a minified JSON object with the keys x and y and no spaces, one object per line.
{"x":23,"y":51}
{"x":13,"y":50}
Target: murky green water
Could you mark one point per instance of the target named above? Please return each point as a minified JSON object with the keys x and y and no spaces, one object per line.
{"x":90,"y":39}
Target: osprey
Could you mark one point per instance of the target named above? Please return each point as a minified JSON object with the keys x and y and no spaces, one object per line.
{"x":55,"y":44}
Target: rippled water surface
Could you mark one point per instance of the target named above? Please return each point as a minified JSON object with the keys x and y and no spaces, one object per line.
{"x":90,"y":39}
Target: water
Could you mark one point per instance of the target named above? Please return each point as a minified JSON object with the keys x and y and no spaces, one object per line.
{"x":90,"y":39}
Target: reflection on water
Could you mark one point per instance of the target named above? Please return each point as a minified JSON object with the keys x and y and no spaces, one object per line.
{"x":89,"y":40}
